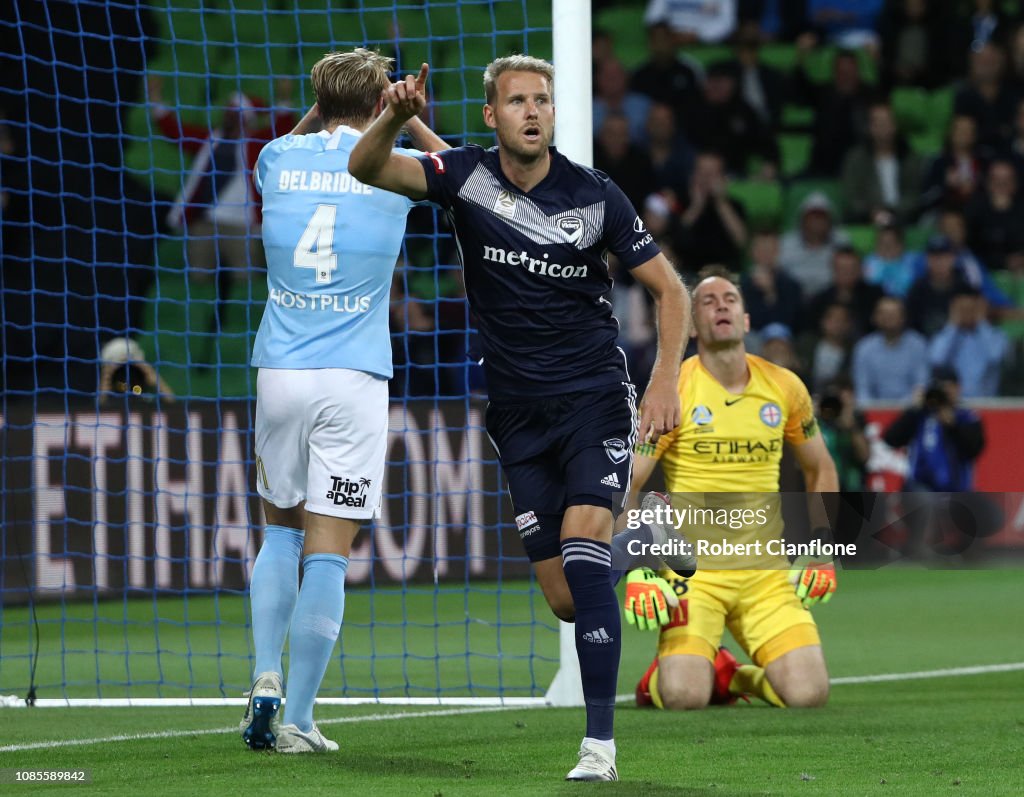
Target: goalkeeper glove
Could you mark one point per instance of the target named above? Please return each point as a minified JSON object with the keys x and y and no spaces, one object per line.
{"x":814,"y":580}
{"x":650,"y":600}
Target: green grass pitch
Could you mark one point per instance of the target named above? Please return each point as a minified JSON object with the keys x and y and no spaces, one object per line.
{"x":953,"y":735}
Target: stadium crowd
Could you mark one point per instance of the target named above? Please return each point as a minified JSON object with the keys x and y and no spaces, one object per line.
{"x":834,"y":154}
{"x":886,"y":248}
{"x":858,"y":162}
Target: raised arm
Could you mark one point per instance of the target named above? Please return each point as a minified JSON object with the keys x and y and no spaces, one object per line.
{"x":372,"y":160}
{"x":659,"y":409}
{"x":423,"y":138}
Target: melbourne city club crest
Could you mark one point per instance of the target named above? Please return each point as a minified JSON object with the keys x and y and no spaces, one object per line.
{"x":771,"y":415}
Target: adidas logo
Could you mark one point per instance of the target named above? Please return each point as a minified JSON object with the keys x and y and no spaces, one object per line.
{"x":611,"y":480}
{"x":598,"y":637}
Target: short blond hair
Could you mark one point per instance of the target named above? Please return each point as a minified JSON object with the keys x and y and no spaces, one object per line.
{"x":348,"y":85}
{"x":515,"y":63}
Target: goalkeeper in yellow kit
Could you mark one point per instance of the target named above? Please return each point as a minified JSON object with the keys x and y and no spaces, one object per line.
{"x":738,"y":410}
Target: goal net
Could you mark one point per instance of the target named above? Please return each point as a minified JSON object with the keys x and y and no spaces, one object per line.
{"x":130,"y":522}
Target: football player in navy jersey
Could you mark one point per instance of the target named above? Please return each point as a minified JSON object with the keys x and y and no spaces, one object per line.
{"x":533,"y":229}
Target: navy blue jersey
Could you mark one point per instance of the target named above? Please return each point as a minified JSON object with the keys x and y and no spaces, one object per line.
{"x":535,"y":268}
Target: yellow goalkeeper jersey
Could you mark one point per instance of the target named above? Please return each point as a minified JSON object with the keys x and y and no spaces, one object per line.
{"x":733,"y":442}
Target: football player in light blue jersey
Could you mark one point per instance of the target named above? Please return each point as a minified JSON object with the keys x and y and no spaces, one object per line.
{"x":324,"y":354}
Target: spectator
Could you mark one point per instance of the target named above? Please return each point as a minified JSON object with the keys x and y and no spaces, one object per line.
{"x":777,"y":347}
{"x":707,"y":22}
{"x":929,"y":297}
{"x":124,"y":371}
{"x":971,"y":346}
{"x":622,"y":160}
{"x":848,"y":288}
{"x":807,"y":250}
{"x":969,"y":268}
{"x":713,"y":226}
{"x":1015,"y":73}
{"x":660,"y":214}
{"x":769,"y":293}
{"x":944,"y":439}
{"x":914,"y":34}
{"x":217,"y":208}
{"x":831,"y":356}
{"x":890,"y":364}
{"x":987,"y":99}
{"x":843,"y":429}
{"x":882,"y":177}
{"x":1014,"y":151}
{"x":602,"y":47}
{"x":779,"y":20}
{"x":670,"y":153}
{"x":975,"y":24}
{"x":762,"y":87}
{"x":840,"y":105}
{"x":891,"y":266}
{"x":664,"y":77}
{"x":848,"y":23}
{"x":995,"y":216}
{"x":724,"y":122}
{"x":957,"y":172}
{"x":612,"y":95}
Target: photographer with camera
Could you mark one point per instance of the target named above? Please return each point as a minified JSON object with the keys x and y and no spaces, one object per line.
{"x":125,"y":372}
{"x":943,"y":441}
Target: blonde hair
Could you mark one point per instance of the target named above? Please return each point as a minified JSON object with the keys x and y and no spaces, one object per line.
{"x":515,"y":63}
{"x":348,"y":85}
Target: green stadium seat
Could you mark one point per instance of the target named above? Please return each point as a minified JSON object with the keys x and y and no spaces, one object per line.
{"x":1013,"y":286}
{"x":862,"y":237}
{"x":818,"y":64}
{"x":177,"y":318}
{"x":798,"y":190}
{"x":707,"y":54}
{"x":795,"y":153}
{"x":914,"y":238}
{"x":928,"y":143}
{"x":912,"y":108}
{"x":780,"y":55}
{"x":626,"y":26}
{"x":797,"y":117}
{"x":762,"y":201}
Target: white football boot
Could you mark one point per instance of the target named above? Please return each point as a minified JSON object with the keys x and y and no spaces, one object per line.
{"x":597,"y":762}
{"x":262,"y":721}
{"x":291,"y":740}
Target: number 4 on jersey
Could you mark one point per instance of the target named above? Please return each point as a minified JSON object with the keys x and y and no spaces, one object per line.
{"x":314,"y":247}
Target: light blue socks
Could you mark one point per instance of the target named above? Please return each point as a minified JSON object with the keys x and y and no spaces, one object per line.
{"x":315,"y":627}
{"x":273,"y":591}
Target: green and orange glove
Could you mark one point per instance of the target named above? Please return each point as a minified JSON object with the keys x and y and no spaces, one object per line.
{"x":814,"y":579}
{"x":650,"y":600}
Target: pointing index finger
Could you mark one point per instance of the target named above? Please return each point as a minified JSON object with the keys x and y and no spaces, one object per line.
{"x":421,"y":78}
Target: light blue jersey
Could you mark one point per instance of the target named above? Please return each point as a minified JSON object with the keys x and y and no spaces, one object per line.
{"x":331,"y":245}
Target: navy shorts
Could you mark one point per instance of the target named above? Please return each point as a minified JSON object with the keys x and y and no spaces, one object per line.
{"x":562,"y":451}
